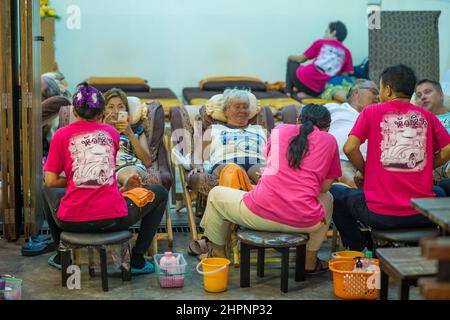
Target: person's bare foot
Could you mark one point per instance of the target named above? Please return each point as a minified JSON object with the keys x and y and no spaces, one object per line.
{"x":302,"y":95}
{"x":132,"y":182}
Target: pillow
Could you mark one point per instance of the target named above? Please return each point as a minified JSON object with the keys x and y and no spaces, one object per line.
{"x":214,"y":107}
{"x":125,"y":87}
{"x":137,"y":110}
{"x":223,"y":83}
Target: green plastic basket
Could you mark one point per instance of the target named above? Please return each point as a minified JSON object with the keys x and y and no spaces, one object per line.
{"x":173,"y":277}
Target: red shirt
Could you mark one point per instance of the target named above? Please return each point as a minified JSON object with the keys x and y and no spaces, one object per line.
{"x":330,"y":58}
{"x":86,"y":153}
{"x":402,"y":141}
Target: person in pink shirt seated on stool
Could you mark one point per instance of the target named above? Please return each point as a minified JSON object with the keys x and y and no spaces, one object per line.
{"x":292,"y":194}
{"x":85,"y":151}
{"x":330,"y":58}
{"x":405,"y":143}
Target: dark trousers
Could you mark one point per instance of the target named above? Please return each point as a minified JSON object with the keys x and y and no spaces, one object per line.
{"x":445,"y":185}
{"x":292,"y":81}
{"x":150,"y":217}
{"x":350,"y":207}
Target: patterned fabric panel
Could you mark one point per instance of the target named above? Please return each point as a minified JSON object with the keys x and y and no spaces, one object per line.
{"x":407,"y":37}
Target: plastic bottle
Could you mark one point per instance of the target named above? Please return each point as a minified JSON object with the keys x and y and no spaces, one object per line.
{"x":368,"y":260}
{"x":168,"y":263}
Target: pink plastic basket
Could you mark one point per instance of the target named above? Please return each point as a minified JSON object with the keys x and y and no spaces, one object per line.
{"x":173,"y":276}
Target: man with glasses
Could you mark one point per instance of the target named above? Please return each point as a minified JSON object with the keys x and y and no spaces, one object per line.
{"x":343,"y":117}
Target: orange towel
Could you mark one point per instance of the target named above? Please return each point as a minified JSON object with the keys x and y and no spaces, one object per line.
{"x":234,"y":176}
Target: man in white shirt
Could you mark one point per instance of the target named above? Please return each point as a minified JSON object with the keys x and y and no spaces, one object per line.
{"x":343,"y":117}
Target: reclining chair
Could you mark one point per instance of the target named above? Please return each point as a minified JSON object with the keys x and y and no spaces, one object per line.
{"x":159,"y":171}
{"x":196,"y":187}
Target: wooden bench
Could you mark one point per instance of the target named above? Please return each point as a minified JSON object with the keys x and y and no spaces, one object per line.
{"x":437,"y":288}
{"x":278,"y":241}
{"x":404,"y":265}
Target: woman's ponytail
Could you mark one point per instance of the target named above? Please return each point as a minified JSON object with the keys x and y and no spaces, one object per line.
{"x":311,"y":115}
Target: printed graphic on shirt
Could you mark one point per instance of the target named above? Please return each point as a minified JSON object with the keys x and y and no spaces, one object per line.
{"x":330,"y":59}
{"x":125,"y":155}
{"x":92,"y":159}
{"x":403,"y":145}
{"x":241,"y":142}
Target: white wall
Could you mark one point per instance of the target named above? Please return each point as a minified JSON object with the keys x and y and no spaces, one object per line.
{"x":175,"y":43}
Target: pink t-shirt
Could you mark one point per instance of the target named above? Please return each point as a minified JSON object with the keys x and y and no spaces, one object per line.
{"x":289,"y":196}
{"x":86,"y":153}
{"x":402,"y":140}
{"x":330,"y":58}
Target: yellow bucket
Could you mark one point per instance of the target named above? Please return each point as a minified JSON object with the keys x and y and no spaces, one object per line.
{"x":347,"y":254}
{"x":215,"y":274}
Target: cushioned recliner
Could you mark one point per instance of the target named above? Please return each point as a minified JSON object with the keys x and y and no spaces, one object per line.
{"x":197,"y":186}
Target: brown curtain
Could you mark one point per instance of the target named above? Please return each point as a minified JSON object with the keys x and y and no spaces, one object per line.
{"x":407,"y":37}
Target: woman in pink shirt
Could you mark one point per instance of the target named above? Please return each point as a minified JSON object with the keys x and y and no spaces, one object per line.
{"x":85,"y":151}
{"x":292,"y":194}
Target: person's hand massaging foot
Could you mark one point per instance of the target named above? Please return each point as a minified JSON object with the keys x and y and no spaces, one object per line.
{"x":132,"y":182}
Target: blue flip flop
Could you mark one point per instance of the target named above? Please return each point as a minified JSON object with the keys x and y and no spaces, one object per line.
{"x":149,"y":267}
{"x":37,"y":245}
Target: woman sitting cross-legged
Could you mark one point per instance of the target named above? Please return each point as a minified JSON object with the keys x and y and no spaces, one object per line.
{"x":85,"y":151}
{"x":292,"y":194}
{"x":237,"y":141}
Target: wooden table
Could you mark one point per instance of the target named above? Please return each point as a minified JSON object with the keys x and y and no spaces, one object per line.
{"x":435,"y":209}
{"x":405,"y":265}
{"x":437,"y":288}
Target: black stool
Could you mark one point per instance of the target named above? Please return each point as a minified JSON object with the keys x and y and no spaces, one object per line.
{"x":97,"y":241}
{"x":278,"y":241}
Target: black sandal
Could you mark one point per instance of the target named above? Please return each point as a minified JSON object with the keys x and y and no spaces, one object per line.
{"x":198,"y":247}
{"x":319,"y":268}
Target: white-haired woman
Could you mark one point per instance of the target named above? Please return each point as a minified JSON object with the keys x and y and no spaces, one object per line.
{"x":236,"y":141}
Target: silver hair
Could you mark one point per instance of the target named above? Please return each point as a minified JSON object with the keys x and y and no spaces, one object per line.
{"x":51,"y":89}
{"x":55,"y":75}
{"x":234,"y":94}
{"x":360,"y":83}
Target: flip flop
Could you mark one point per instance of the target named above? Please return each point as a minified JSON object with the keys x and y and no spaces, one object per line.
{"x":148,"y":267}
{"x":198,"y":247}
{"x":38,"y":245}
{"x":319,"y":269}
{"x":51,"y":261}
